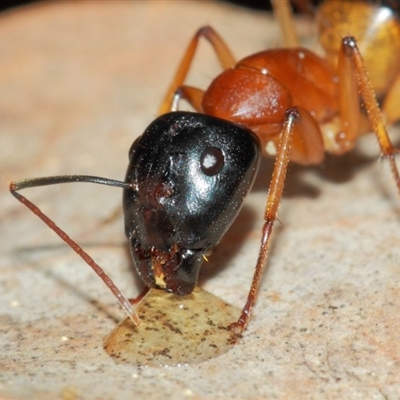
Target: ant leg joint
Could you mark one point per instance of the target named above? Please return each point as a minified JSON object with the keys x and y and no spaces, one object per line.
{"x":349,"y":43}
{"x":204,"y":30}
{"x":292,"y":113}
{"x":176,"y":98}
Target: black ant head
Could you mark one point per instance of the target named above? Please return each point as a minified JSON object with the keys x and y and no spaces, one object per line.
{"x":189,"y":174}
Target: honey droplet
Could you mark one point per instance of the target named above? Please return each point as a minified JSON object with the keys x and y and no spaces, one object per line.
{"x":174,"y":330}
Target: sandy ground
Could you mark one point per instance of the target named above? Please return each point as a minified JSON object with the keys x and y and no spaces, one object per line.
{"x":79,"y":81}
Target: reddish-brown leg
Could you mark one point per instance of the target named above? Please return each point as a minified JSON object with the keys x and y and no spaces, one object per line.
{"x":351,"y":65}
{"x":283,"y":14}
{"x":349,"y":106}
{"x":222,"y":51}
{"x":293,"y":117}
{"x":304,"y":6}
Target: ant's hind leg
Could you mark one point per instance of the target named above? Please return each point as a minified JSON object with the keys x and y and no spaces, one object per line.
{"x":283,"y":14}
{"x":351,"y":64}
{"x":221,"y":49}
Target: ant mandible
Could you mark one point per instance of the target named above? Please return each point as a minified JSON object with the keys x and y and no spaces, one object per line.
{"x":189,"y":173}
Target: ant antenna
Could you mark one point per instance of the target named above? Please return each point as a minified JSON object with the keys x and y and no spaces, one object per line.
{"x":52,"y":180}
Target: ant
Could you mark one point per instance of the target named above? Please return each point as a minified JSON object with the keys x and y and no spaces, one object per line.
{"x":190,"y":172}
{"x":300,"y":104}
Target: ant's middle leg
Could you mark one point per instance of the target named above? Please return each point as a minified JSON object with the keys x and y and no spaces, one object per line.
{"x":221,"y":49}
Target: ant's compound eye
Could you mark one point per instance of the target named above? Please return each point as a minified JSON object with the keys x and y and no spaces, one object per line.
{"x":212,"y":161}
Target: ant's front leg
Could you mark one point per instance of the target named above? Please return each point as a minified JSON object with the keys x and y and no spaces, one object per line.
{"x":295,"y":120}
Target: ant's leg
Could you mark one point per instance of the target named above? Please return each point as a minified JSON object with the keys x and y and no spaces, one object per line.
{"x":349,"y":104}
{"x":52,"y":180}
{"x":293,"y":117}
{"x":191,"y":94}
{"x":222,"y":51}
{"x":284,"y":15}
{"x":304,"y":6}
{"x":351,"y":64}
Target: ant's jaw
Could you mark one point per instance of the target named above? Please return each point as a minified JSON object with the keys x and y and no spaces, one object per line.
{"x":174,"y":270}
